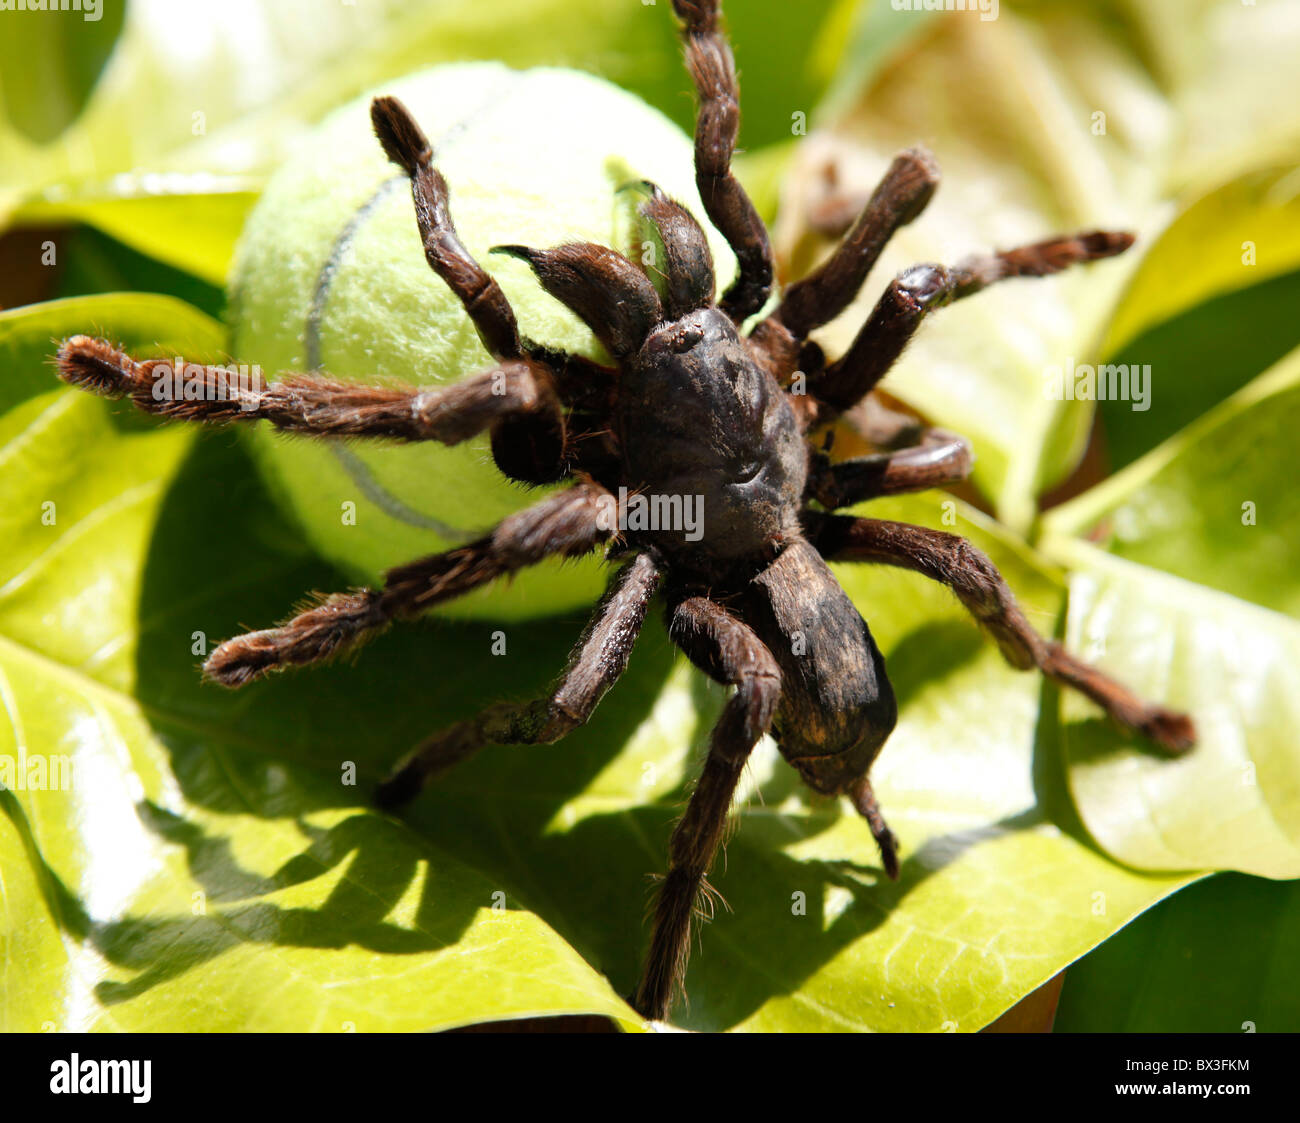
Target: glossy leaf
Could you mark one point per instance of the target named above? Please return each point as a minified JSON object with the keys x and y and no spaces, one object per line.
{"x":168,"y":862}
{"x":1240,"y":234}
{"x":1196,"y":360}
{"x":1233,"y":802}
{"x":1218,"y":957}
{"x":195,"y":230}
{"x":1210,"y":504}
{"x":210,"y":851}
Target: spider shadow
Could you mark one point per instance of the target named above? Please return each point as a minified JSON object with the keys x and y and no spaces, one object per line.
{"x":230,"y":910}
{"x":277,"y":750}
{"x":317,"y":742}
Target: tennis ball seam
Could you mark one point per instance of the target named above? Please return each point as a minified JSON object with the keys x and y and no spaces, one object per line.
{"x":331,"y":277}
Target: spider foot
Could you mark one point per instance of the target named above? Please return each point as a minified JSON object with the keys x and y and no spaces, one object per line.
{"x":864,"y":800}
{"x":93,"y":365}
{"x":1173,"y":732}
{"x":403,"y":141}
{"x":310,"y":637}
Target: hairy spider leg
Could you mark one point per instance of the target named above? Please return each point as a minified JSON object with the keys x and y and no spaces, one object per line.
{"x":728,"y":650}
{"x":595,"y":664}
{"x":979,"y":586}
{"x":568,"y":524}
{"x":717,"y":124}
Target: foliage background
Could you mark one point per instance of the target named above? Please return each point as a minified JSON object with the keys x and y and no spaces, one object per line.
{"x":208,"y":871}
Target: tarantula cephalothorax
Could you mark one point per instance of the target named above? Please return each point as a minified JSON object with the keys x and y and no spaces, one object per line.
{"x":690,"y":408}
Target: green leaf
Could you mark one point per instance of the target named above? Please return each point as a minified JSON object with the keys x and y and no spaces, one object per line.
{"x":91,"y":262}
{"x":1197,"y":360}
{"x":194,"y":231}
{"x":1217,"y":957}
{"x":49,"y":67}
{"x":1212,"y":504}
{"x":1238,"y":235}
{"x":203,"y":856}
{"x":1233,"y":801}
{"x":159,"y":324}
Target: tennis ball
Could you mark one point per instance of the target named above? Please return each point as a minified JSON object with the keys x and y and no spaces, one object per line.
{"x":330,"y":275}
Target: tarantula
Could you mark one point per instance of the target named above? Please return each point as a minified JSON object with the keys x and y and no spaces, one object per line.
{"x":691,"y":407}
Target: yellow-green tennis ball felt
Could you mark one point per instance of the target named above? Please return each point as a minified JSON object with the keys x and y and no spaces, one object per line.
{"x":330,"y":275}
